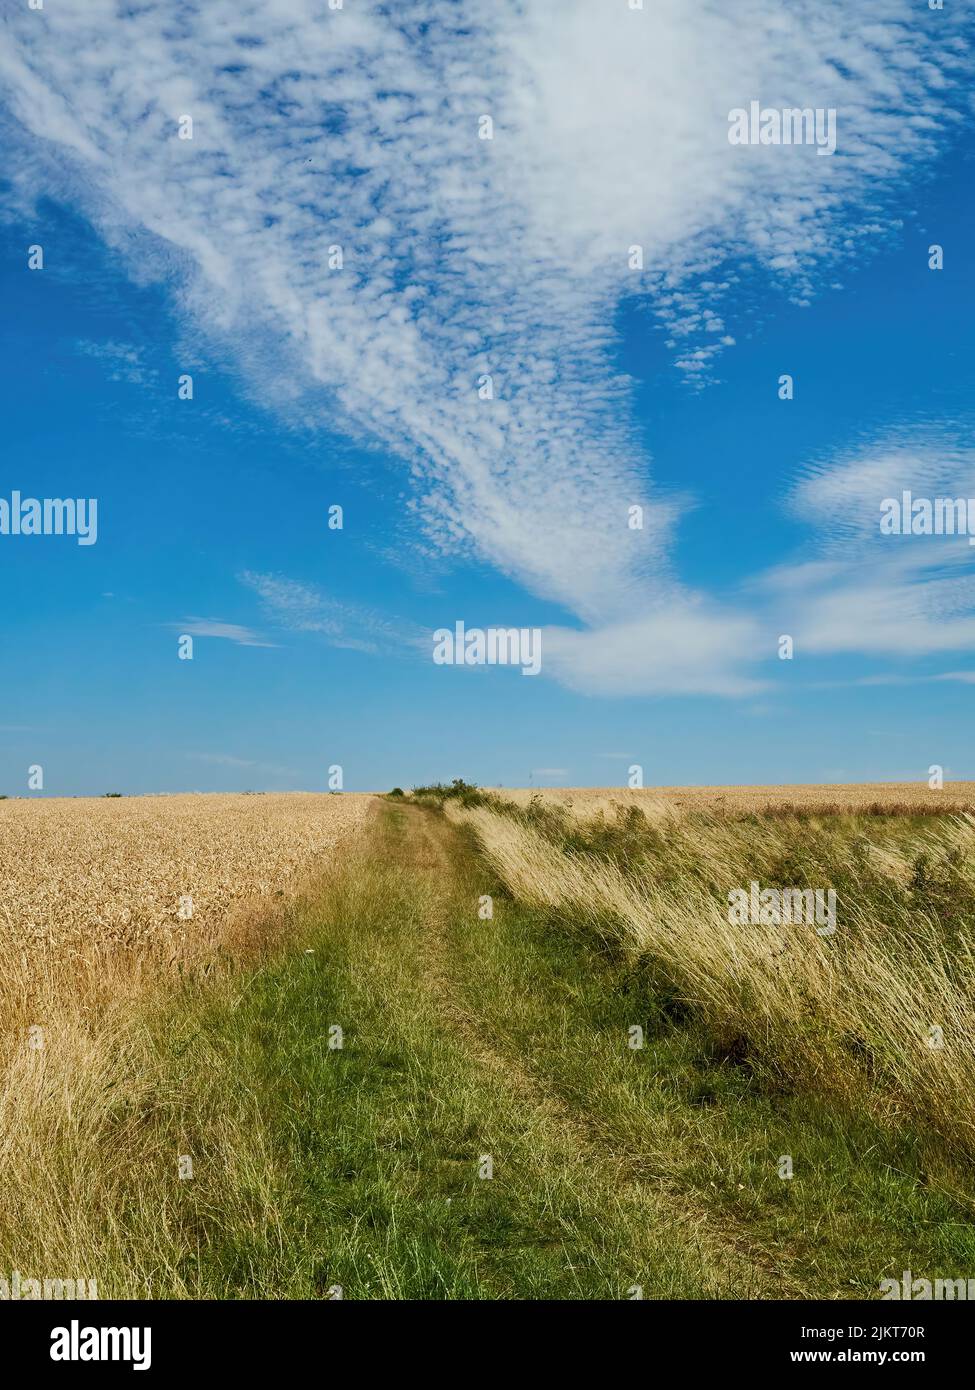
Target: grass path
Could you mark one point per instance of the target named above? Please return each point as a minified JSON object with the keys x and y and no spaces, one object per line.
{"x":501,"y":1044}
{"x":625,"y":1183}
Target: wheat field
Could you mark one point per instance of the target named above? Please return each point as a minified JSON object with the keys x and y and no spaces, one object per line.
{"x":103,"y":897}
{"x":165,"y":874}
{"x":912,"y":797}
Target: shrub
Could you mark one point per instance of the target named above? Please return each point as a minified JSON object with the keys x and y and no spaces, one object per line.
{"x":466,"y":793}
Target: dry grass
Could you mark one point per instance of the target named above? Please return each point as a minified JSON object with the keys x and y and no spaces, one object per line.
{"x":850,"y":1014}
{"x":91,"y":941}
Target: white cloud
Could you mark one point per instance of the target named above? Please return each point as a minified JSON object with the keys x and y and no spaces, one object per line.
{"x":302,"y":608}
{"x":965,"y":677}
{"x":213,"y":627}
{"x":885,"y":595}
{"x":464,"y":257}
{"x":682,"y":647}
{"x":842,"y":495}
{"x":124,"y":361}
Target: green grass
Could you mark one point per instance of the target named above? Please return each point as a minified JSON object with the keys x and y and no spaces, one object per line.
{"x":613,"y":1168}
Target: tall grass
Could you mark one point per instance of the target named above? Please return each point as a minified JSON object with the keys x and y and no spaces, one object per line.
{"x":95,"y":964}
{"x":882,"y":1013}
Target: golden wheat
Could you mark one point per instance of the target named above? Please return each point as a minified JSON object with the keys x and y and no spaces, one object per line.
{"x":660,"y":802}
{"x":160,"y":874}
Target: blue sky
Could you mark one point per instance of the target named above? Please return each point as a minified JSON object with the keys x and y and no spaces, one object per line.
{"x":613,"y":387}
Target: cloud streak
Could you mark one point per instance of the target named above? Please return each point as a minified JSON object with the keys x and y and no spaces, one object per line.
{"x":302,"y":608}
{"x":229,"y":632}
{"x":889,"y":595}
